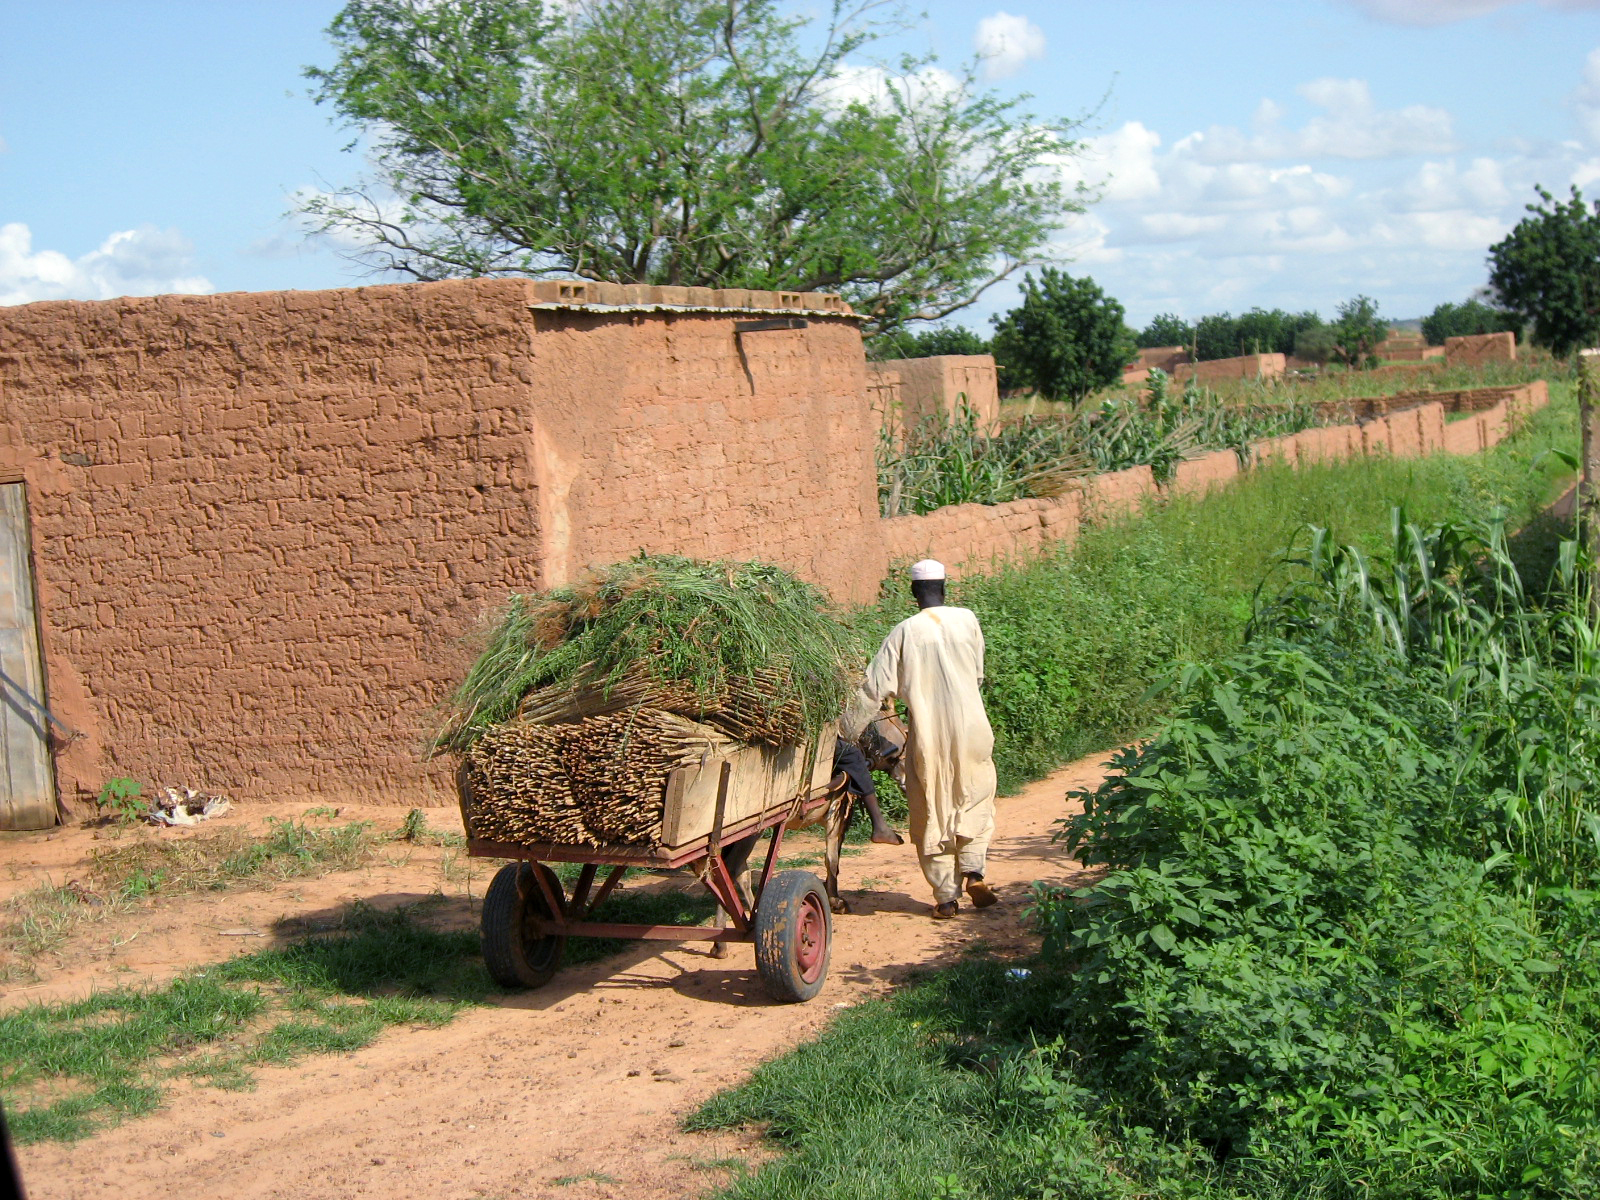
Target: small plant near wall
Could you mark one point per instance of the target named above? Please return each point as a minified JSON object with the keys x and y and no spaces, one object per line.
{"x":122,"y":798}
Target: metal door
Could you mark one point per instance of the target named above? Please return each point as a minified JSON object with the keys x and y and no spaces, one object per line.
{"x":27,"y":789}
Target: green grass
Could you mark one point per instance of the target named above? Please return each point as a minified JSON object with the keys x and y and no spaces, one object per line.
{"x":69,"y":1069}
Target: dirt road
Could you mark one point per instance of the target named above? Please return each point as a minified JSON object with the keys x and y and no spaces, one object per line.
{"x":574,"y":1090}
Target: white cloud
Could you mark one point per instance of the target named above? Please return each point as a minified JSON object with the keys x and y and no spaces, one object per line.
{"x":1006,"y":43}
{"x":1351,"y":126}
{"x":134,"y":262}
{"x":1443,"y":12}
{"x":1585,"y":99}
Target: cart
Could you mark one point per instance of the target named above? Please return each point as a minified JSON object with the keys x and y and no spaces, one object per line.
{"x":528,"y":916}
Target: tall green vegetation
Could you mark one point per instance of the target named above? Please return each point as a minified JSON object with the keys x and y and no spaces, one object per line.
{"x":683,"y":142}
{"x":1345,"y":941}
{"x":944,"y":461}
{"x":1546,"y":272}
{"x":1065,"y":339}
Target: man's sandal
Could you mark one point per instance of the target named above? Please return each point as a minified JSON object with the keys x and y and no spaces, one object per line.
{"x":980,"y":892}
{"x":943,"y":912}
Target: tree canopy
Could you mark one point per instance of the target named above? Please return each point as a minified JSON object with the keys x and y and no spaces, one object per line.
{"x":1066,"y":338}
{"x":1465,"y":319}
{"x":1165,"y":329}
{"x":1259,"y":331}
{"x":1547,"y":272}
{"x":1357,"y":333}
{"x":714,"y":143}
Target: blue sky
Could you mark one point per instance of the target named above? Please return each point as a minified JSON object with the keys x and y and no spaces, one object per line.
{"x":1287,"y":154}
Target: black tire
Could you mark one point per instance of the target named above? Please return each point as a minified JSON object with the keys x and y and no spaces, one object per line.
{"x":515,"y":956}
{"x":794,"y":936}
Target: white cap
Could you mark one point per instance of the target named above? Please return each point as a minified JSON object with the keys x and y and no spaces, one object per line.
{"x":928,"y":568}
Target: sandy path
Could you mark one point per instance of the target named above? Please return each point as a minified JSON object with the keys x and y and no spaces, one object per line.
{"x":575,"y":1090}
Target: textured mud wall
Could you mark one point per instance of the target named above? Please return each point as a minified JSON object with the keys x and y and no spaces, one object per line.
{"x":263,"y":523}
{"x":1479,"y":348}
{"x":939,"y":383}
{"x":1217,"y":370}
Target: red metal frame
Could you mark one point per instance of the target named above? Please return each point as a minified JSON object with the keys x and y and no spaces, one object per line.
{"x":571,"y":915}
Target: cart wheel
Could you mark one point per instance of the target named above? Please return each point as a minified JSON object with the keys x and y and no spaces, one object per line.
{"x":515,"y":956}
{"x":794,"y":934}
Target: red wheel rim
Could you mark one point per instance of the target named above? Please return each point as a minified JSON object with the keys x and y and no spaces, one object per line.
{"x":811,"y":940}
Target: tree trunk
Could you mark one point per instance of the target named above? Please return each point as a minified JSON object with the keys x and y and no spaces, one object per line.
{"x":1589,"y":482}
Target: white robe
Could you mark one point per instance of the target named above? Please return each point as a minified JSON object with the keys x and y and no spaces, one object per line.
{"x":934,"y":662}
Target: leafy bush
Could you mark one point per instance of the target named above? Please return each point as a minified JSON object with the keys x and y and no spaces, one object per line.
{"x":1345,"y":930}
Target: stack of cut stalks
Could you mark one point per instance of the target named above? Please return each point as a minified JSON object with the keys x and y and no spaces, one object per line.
{"x":596,"y":781}
{"x":587,"y":699}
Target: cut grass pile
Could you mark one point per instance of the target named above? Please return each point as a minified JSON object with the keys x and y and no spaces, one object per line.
{"x":745,"y":646}
{"x":69,"y":1069}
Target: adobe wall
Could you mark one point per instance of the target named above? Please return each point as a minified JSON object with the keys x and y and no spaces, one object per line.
{"x":1479,"y":348}
{"x":939,"y":383}
{"x":973,"y":537}
{"x":263,"y":523}
{"x":1219,"y":370}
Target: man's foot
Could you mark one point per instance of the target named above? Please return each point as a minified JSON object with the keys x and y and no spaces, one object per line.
{"x":982,"y":895}
{"x":885,"y":836}
{"x":943,"y":912}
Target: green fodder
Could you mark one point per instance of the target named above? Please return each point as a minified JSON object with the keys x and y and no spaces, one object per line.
{"x":744,"y":641}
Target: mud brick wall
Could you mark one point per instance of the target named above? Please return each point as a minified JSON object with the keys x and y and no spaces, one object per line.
{"x":939,"y":383}
{"x":263,"y":523}
{"x":1218,"y":370}
{"x":1478,"y":348}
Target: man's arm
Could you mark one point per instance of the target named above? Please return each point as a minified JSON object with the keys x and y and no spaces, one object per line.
{"x":880,"y":686}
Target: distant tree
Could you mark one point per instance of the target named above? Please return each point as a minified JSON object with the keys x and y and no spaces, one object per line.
{"x":1357,"y":332}
{"x":1465,"y":319}
{"x":1546,"y":272}
{"x":1316,"y":344}
{"x":949,"y":339}
{"x":1168,"y":329}
{"x":680,"y":142}
{"x":1066,"y":338}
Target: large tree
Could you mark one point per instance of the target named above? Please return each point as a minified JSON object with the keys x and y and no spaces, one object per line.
{"x":681,"y":142}
{"x":1065,"y":339}
{"x":1547,"y":272}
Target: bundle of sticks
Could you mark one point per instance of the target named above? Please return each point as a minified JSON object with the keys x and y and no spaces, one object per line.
{"x":596,"y":780}
{"x":741,"y":708}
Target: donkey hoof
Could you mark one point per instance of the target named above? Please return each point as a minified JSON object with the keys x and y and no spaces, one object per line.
{"x":838,"y":904}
